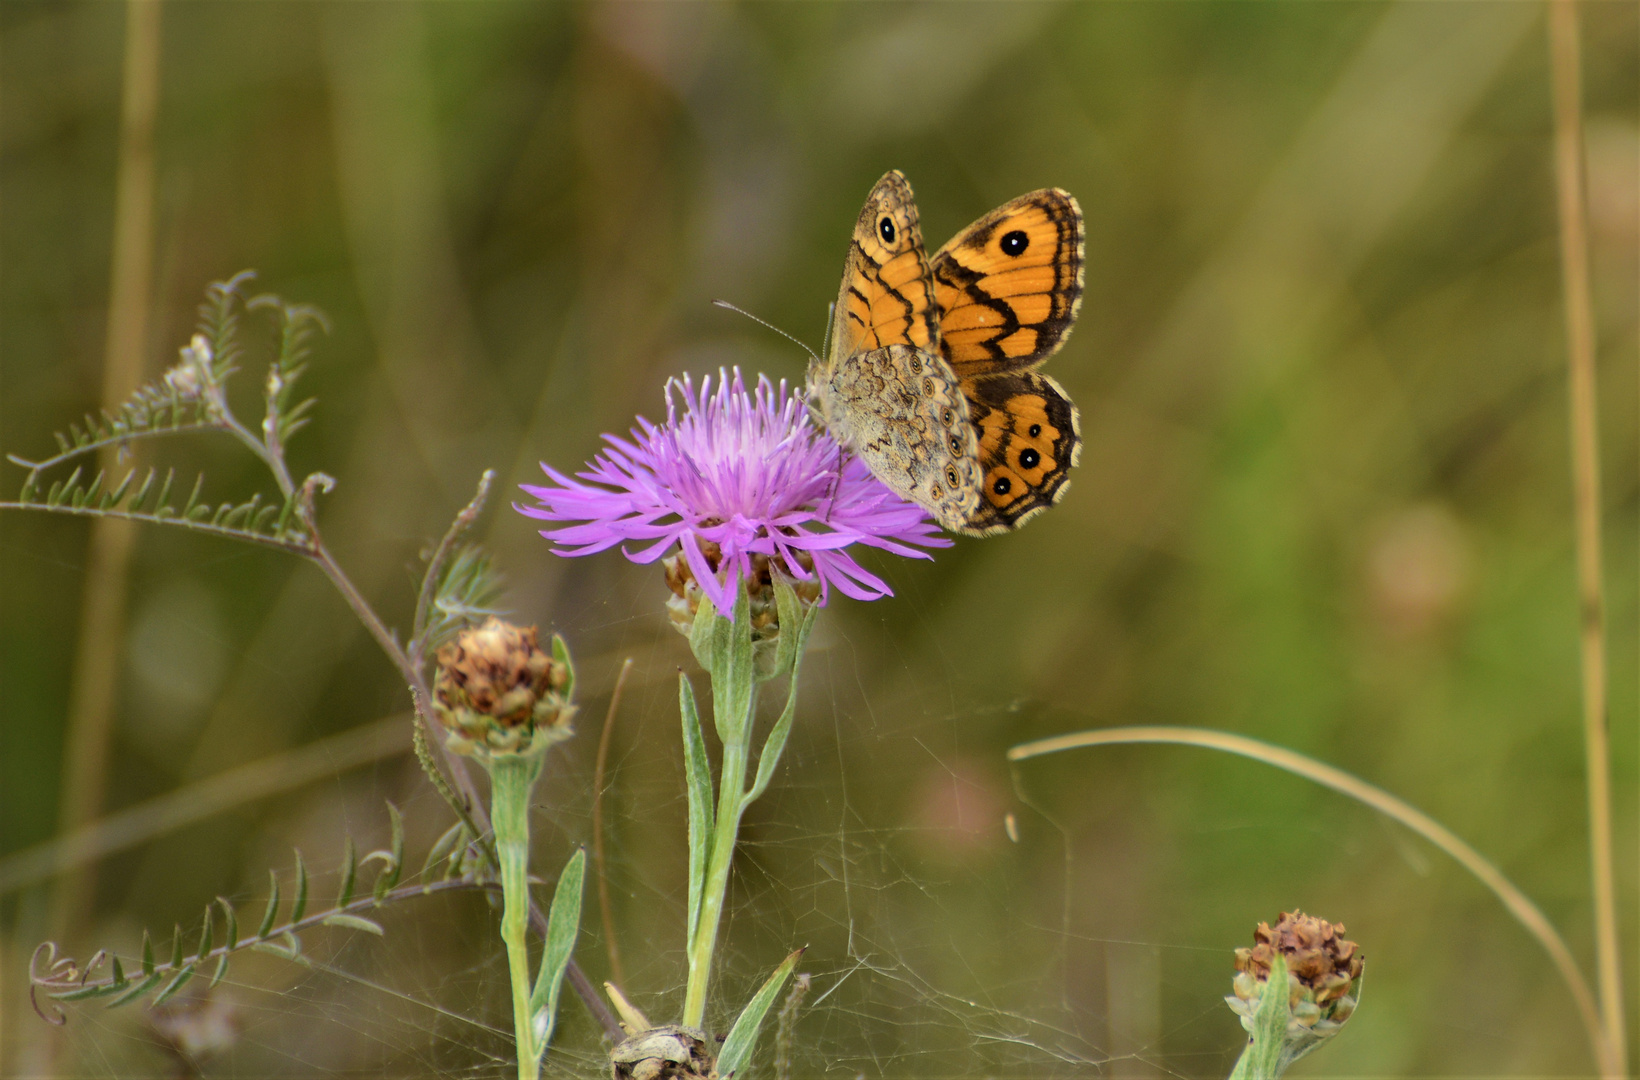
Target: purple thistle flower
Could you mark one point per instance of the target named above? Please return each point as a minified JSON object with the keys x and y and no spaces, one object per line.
{"x":746,"y":474}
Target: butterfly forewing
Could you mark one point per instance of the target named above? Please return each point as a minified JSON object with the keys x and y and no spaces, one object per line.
{"x":1008,"y":287}
{"x":887,"y":295}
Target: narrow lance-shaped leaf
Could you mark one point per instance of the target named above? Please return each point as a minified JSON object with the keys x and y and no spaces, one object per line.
{"x":775,"y":744}
{"x":273,"y":906}
{"x":443,"y":846}
{"x":230,"y":919}
{"x":207,"y":933}
{"x":702,"y":818}
{"x":563,"y":924}
{"x":737,"y":1048}
{"x":355,"y":922}
{"x":350,"y":874}
{"x":174,"y":985}
{"x":299,"y":907}
{"x":392,"y":859}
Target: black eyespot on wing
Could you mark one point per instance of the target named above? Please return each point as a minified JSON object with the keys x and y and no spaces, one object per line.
{"x":1029,"y":458}
{"x":951,"y":476}
{"x":1015,"y":243}
{"x":1002,"y":486}
{"x":956,"y":446}
{"x":947,"y":417}
{"x":916,"y":365}
{"x":885,"y":229}
{"x":1036,"y":429}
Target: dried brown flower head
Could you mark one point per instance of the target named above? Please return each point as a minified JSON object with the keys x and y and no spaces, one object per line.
{"x":497,"y":691}
{"x":668,"y":1052}
{"x":1317,"y":954}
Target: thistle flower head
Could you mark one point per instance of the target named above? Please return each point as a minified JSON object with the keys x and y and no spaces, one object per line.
{"x":744,"y":486}
{"x":498,"y":692}
{"x":1322,"y":969}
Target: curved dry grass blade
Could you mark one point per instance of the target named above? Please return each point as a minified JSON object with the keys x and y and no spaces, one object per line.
{"x":1516,"y":902}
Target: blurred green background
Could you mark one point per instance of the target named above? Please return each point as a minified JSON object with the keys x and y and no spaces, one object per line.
{"x":1324,"y":501}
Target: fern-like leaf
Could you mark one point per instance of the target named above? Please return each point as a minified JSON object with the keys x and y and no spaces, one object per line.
{"x":62,"y":980}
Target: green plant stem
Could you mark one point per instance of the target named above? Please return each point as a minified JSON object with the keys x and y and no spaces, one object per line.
{"x":512,"y":778}
{"x":732,"y":802}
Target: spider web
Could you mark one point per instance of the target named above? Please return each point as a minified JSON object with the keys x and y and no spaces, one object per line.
{"x":936,"y":945}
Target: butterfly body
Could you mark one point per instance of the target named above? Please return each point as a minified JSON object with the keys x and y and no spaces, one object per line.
{"x":928,"y":374}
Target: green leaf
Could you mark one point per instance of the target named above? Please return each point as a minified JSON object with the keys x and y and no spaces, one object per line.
{"x":392,"y":859}
{"x":355,"y":922}
{"x":231,"y":918}
{"x":299,"y":906}
{"x":702,"y":817}
{"x":173,"y":986}
{"x":117,"y":980}
{"x":443,"y":846}
{"x":701,"y":633}
{"x":775,"y":744}
{"x":176,"y":947}
{"x":563,"y":924}
{"x":1262,"y":1059}
{"x":273,"y":906}
{"x":221,"y":970}
{"x":734,"y":678}
{"x":137,"y":990}
{"x":560,"y":653}
{"x":350,"y":873}
{"x":206,"y":934}
{"x":147,"y":954}
{"x":737,"y":1048}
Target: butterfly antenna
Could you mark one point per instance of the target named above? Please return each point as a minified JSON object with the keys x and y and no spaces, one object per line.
{"x":769,"y":325}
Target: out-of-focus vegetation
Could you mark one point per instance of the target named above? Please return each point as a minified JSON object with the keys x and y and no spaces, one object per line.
{"x":1324,"y":501}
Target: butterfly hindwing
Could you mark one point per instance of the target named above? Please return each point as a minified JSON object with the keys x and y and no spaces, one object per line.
{"x":887,"y":295}
{"x":1009,"y":285}
{"x":1029,"y":438}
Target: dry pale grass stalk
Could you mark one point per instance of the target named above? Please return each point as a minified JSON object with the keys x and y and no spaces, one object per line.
{"x":102,"y":615}
{"x":616,"y":971}
{"x":1565,"y":66}
{"x":203,"y":799}
{"x":1516,"y":902}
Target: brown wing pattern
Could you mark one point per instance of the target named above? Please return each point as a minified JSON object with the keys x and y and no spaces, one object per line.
{"x":1009,"y":286}
{"x":887,"y":296}
{"x":1029,"y":438}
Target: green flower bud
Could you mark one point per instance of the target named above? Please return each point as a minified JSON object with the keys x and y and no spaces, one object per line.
{"x":763,"y":593}
{"x":497,"y":692}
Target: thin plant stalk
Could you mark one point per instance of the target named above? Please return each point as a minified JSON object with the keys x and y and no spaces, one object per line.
{"x":1516,"y":902}
{"x":287,"y":770}
{"x":732,"y":803}
{"x":102,"y":620}
{"x":512,"y":779}
{"x":604,"y":907}
{"x":1565,"y":66}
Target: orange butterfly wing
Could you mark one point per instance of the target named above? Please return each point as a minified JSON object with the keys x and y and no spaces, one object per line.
{"x":1029,"y":439}
{"x":887,"y":296}
{"x":1009,"y":286}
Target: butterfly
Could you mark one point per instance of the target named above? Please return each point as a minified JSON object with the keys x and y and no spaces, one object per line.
{"x":929,"y":374}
